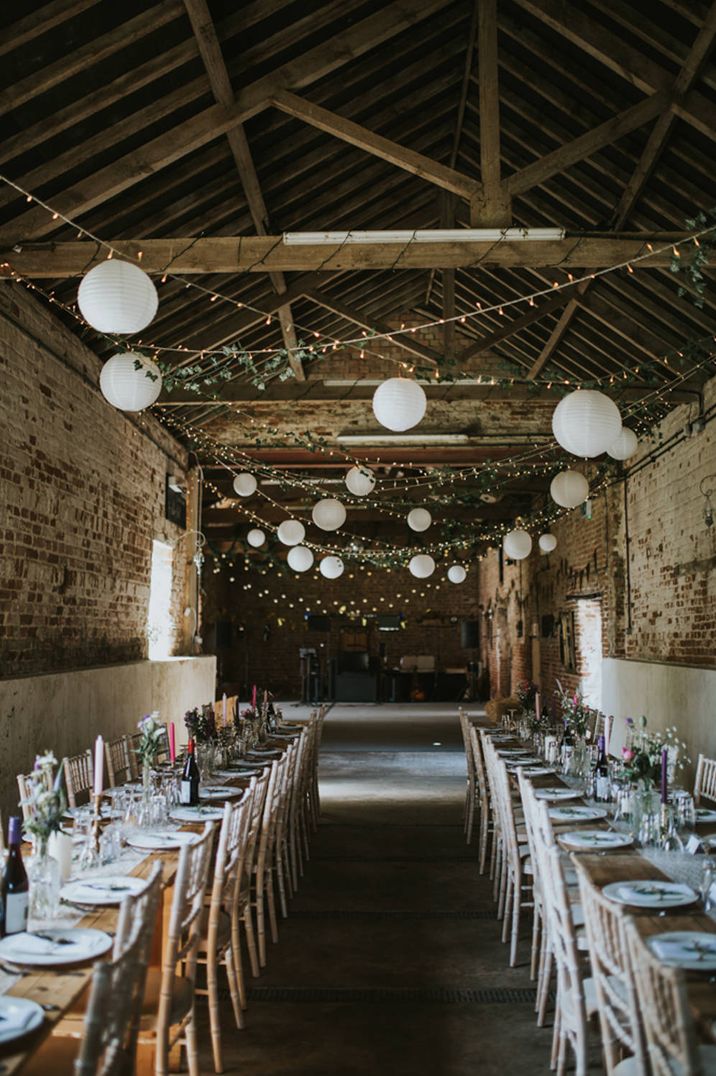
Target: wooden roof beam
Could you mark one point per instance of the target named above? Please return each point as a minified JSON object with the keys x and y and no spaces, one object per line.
{"x":492,"y":207}
{"x":266,"y":254}
{"x":356,"y":135}
{"x":192,"y":134}
{"x":406,"y":341}
{"x":212,"y":57}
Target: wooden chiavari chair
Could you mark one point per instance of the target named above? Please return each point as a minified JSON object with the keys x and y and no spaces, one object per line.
{"x":705,"y":781}
{"x":671,"y":1045}
{"x":109,"y":1025}
{"x":314,"y":797}
{"x":246,"y":884}
{"x":496,"y":850}
{"x":79,"y":778}
{"x":483,"y":798}
{"x":282,"y":864}
{"x":471,"y":780}
{"x":119,"y":767}
{"x":264,"y":891}
{"x":167,"y":1016}
{"x":616,"y":997}
{"x":518,"y":868}
{"x":298,"y":823}
{"x":220,"y":943}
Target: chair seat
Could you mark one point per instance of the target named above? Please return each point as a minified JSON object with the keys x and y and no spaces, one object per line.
{"x":182,"y":998}
{"x":223,"y":933}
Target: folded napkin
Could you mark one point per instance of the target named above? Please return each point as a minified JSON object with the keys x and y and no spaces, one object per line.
{"x":652,"y":891}
{"x":699,"y":947}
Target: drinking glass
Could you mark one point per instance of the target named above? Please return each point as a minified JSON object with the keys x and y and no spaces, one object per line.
{"x":708,"y":882}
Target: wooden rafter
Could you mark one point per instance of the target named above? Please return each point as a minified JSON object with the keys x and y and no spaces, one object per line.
{"x":634,"y":188}
{"x":192,"y":134}
{"x":212,"y":57}
{"x":372,"y":324}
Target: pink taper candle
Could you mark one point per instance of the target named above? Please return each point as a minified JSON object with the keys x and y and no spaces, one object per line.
{"x":98,"y":766}
{"x":172,"y":742}
{"x":253,"y":697}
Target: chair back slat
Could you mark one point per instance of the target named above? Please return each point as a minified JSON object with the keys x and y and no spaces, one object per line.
{"x":705,"y":783}
{"x":79,"y":778}
{"x":116,"y":754}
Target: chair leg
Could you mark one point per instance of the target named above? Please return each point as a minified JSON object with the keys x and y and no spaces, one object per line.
{"x":273,"y":922}
{"x":535,"y":950}
{"x":214,"y":1018}
{"x":281,"y":887}
{"x":261,"y":921}
{"x":543,"y":987}
{"x":192,"y":1047}
{"x":239,"y":964}
{"x":233,"y":980}
{"x":517,"y":907}
{"x":251,"y":942}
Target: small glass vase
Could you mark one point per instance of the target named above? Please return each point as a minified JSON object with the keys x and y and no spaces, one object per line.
{"x":44,"y":878}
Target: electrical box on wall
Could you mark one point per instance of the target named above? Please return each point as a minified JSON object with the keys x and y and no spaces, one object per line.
{"x":174,"y":502}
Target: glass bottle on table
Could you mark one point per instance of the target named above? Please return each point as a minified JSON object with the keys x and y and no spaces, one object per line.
{"x":15,"y":888}
{"x":601,"y":784}
{"x":189,"y":787}
{"x":566,"y":750}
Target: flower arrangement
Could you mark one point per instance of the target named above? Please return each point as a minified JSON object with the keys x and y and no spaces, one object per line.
{"x":641,"y":757}
{"x":152,"y":739}
{"x":574,"y":710}
{"x":526,"y":693}
{"x":201,"y":725}
{"x":46,"y":801}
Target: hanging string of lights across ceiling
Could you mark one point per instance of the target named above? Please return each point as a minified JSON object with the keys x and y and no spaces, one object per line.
{"x":117,"y":298}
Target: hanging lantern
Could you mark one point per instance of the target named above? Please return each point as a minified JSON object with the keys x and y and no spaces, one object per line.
{"x":547,"y":543}
{"x":291,"y":532}
{"x":569,"y":488}
{"x":300,"y":558}
{"x":245,"y":484}
{"x":421,"y":566}
{"x":256,"y":537}
{"x":331,"y":567}
{"x":360,"y":481}
{"x":399,"y":404}
{"x":624,"y":446}
{"x":419,"y":519}
{"x":517,"y":544}
{"x":117,"y":297}
{"x":456,"y":573}
{"x":329,"y":514}
{"x":130,"y":382}
{"x":586,"y":423}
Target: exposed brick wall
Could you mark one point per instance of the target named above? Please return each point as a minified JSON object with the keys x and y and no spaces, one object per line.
{"x":658,"y":599}
{"x":81,"y":499}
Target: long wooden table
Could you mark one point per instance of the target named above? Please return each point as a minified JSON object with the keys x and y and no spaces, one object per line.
{"x":62,"y":990}
{"x":628,"y":864}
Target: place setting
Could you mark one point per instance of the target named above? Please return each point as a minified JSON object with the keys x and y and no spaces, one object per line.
{"x":54,"y":948}
{"x":651,"y":894}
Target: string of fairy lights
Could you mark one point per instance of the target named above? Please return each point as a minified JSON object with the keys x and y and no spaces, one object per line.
{"x":532,"y":461}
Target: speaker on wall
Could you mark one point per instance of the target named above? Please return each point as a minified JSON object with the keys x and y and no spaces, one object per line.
{"x":469,"y":634}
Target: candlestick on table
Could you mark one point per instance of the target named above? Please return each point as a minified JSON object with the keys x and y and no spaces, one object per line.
{"x":172,"y":742}
{"x":538,"y":706}
{"x":664,"y":775}
{"x":98,"y":766}
{"x":253,"y":697}
{"x":223,"y":709}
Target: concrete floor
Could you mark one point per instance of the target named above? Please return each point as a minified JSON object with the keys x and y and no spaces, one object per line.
{"x":389,"y":962}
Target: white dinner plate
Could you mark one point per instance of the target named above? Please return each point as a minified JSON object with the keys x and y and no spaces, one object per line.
{"x":160,"y":842}
{"x":576,"y":814}
{"x":538,"y":771}
{"x":650,"y":893}
{"x":244,"y":772}
{"x":514,"y":763}
{"x":516,"y":751}
{"x":559,"y":792}
{"x":72,"y":812}
{"x":705,"y":814}
{"x":219,"y":792}
{"x":263,"y":751}
{"x":53,"y":948}
{"x":202,"y":813}
{"x":18,"y":1017}
{"x":112,"y":889}
{"x":694,"y":950}
{"x":595,"y":839}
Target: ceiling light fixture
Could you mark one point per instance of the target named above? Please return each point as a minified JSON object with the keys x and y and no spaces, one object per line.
{"x":434,"y":235}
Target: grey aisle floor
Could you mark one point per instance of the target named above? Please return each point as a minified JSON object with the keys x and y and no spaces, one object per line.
{"x":390,"y":961}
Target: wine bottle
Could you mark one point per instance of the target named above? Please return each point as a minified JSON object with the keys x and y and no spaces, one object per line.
{"x":189,"y":790}
{"x":566,"y":748}
{"x":15,"y":888}
{"x":600,"y":773}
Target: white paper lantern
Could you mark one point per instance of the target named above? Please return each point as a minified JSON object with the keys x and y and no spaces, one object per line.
{"x":245,"y":484}
{"x":399,"y":404}
{"x":291,"y":532}
{"x":586,"y":423}
{"x":331,"y":567}
{"x":117,"y":297}
{"x":300,"y":558}
{"x":329,"y":514}
{"x":456,"y":573}
{"x":624,"y":446}
{"x":360,"y":481}
{"x":547,"y":543}
{"x":517,"y":544}
{"x":130,"y":382}
{"x":419,"y":519}
{"x":569,"y":488}
{"x":421,"y":566}
{"x":256,"y":537}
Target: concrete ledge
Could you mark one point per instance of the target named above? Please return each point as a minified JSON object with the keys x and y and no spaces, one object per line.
{"x":65,"y":711}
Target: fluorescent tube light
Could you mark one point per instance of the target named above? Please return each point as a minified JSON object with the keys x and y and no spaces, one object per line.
{"x":436,"y":235}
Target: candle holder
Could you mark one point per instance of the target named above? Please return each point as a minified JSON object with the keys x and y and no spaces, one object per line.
{"x":91,"y":856}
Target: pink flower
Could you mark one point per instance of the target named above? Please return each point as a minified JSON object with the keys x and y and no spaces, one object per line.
{"x":627,"y":754}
